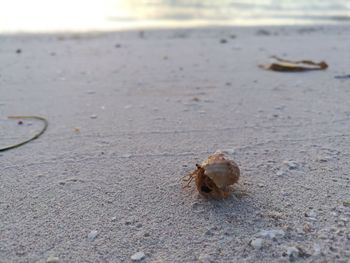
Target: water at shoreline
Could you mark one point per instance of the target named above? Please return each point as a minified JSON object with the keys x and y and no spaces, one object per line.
{"x":82,"y":15}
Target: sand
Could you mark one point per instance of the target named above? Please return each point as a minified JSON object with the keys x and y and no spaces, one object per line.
{"x":131,"y":113}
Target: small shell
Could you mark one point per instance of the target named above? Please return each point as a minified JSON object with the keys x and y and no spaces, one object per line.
{"x":215,"y":175}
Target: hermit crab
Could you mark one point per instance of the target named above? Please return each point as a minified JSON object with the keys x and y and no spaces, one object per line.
{"x":214,"y":176}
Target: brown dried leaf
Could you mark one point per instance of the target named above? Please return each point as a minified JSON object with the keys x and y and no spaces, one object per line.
{"x":284,"y":65}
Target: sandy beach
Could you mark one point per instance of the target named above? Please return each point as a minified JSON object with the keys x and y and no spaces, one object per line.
{"x":131,"y":113}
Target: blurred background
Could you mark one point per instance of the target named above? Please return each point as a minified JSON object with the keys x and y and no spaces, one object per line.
{"x":86,"y":15}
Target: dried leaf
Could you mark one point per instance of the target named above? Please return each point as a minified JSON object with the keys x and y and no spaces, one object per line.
{"x":284,"y":65}
{"x":214,"y":176}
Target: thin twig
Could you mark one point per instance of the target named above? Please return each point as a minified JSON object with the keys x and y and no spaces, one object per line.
{"x":46,"y":124}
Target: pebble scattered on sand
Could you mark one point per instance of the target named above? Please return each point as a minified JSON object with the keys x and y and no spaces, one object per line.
{"x":280,"y":173}
{"x":317,"y":249}
{"x":263,"y":32}
{"x":311,"y":215}
{"x":272,"y":234}
{"x":346,"y":203}
{"x":323,"y":159}
{"x":344,"y":219}
{"x":92,"y":235}
{"x":93,"y":116}
{"x":53,"y":259}
{"x":138,"y":256}
{"x":127,"y":107}
{"x":291,"y":164}
{"x":208,"y":232}
{"x":292,"y":252}
{"x":204,"y":258}
{"x":257,"y":243}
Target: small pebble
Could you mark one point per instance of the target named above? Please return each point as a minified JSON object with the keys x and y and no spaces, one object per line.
{"x":19,"y":51}
{"x":93,"y":116}
{"x":321,"y":159}
{"x":204,"y":258}
{"x":291,"y":165}
{"x":263,"y":32}
{"x":280,"y":173}
{"x":311,"y":215}
{"x":344,"y":219}
{"x":317,"y":249}
{"x":208,"y":232}
{"x":261,"y":185}
{"x":292,"y":252}
{"x":92,"y":235}
{"x":257,"y":243}
{"x":223,"y":41}
{"x":138,"y":256}
{"x":53,"y":259}
{"x":272,"y":234}
{"x":346,"y":203}
{"x":127,"y":107}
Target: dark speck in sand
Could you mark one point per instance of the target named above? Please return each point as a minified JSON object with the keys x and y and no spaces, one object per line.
{"x":20,"y":122}
{"x":342,"y":76}
{"x":263,"y":32}
{"x":223,"y":41}
{"x":233,"y":36}
{"x":118,"y":46}
{"x":18,"y":51}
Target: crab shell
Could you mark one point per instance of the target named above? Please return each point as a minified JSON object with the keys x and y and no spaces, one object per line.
{"x":221,"y":171}
{"x":214,"y":176}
